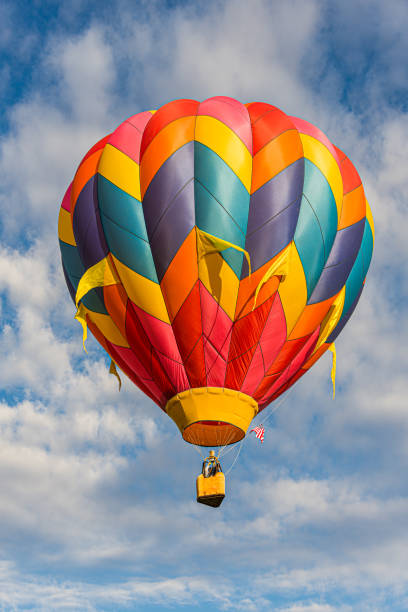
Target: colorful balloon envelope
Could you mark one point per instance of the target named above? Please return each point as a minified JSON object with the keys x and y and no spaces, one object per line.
{"x":215,"y":250}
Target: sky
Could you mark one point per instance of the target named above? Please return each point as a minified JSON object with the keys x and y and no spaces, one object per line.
{"x":97,"y":488}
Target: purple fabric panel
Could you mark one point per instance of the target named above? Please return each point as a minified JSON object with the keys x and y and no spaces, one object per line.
{"x":174,"y":226}
{"x":167,"y":182}
{"x":272,"y":237}
{"x":276,"y":195}
{"x":341,"y":259}
{"x":87,"y":226}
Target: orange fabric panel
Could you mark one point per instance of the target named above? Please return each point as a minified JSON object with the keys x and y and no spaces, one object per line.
{"x":354,"y":207}
{"x":98,"y":334}
{"x":311,"y":317}
{"x":168,"y":140}
{"x":115,"y":298}
{"x":275,"y":157}
{"x":163,"y":116}
{"x":85,"y":171}
{"x":247,"y":289}
{"x":181,"y":275}
{"x":99,"y":145}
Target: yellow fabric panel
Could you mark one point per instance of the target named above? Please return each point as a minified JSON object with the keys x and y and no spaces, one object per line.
{"x":142,"y":291}
{"x":222,"y":140}
{"x":319,"y":155}
{"x":311,"y":318}
{"x":172,"y":137}
{"x":120,"y":170}
{"x":332,"y":348}
{"x":293,"y":290}
{"x":220,"y":280}
{"x":370,"y":219}
{"x":107,"y":327}
{"x":65,"y":231}
{"x":331,"y":319}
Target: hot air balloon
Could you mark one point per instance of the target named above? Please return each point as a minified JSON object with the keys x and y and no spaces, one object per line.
{"x":215,"y":250}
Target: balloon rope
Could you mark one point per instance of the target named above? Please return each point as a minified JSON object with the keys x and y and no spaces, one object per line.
{"x":236,"y":458}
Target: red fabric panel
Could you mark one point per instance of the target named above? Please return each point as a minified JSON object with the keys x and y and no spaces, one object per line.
{"x":274,"y":334}
{"x":284,"y":388}
{"x":350,"y":176}
{"x":99,"y":145}
{"x":294,"y":365}
{"x":216,"y":323}
{"x":162,"y":338}
{"x":132,"y":367}
{"x":187,"y":323}
{"x":267,"y":127}
{"x":216,"y":366}
{"x":128,"y":136}
{"x":141,"y":346}
{"x":232,"y":113}
{"x":255,"y":373}
{"x":66,"y":201}
{"x":245,"y":335}
{"x":165,"y":115}
{"x":195,"y":366}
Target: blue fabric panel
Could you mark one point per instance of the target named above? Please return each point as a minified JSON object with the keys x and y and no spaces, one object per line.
{"x":277,"y":194}
{"x":222,"y":183}
{"x":212,"y":218}
{"x":174,"y":227}
{"x":131,"y":250}
{"x":320,"y":196}
{"x":169,"y":180}
{"x":309,"y":243}
{"x":340,"y":262}
{"x":87,"y":226}
{"x":271,"y":237}
{"x":121,"y":208}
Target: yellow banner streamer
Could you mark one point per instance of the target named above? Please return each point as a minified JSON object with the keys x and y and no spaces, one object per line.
{"x":81,"y":317}
{"x":280,"y":267}
{"x":207,"y":243}
{"x":113,"y":370}
{"x":101,"y":274}
{"x":332,"y":348}
{"x":331,"y":319}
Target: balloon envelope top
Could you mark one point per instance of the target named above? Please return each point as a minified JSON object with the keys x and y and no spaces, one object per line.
{"x":222,"y":247}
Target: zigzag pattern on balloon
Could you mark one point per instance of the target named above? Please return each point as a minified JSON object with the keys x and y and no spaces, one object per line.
{"x":249,"y":175}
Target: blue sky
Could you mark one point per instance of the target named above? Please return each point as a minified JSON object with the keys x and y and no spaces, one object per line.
{"x":97,"y":508}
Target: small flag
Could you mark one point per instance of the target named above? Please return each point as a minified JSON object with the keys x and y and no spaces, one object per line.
{"x":259,"y":432}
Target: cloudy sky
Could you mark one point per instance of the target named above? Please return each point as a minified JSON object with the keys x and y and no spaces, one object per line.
{"x":97,"y":507}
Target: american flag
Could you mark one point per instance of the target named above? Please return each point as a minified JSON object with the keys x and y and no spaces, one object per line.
{"x":259,"y":432}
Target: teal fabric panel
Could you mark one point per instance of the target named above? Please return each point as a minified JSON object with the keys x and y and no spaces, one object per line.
{"x":134,"y":252}
{"x":217,"y":177}
{"x":121,"y":208}
{"x":309,"y":243}
{"x":212,"y":218}
{"x":320,"y":196}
